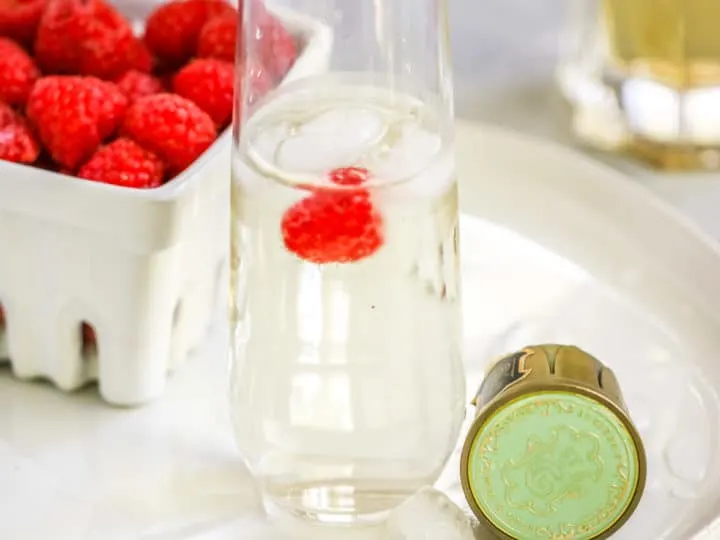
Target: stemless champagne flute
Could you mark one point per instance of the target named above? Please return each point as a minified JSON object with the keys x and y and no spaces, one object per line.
{"x":347,"y":390}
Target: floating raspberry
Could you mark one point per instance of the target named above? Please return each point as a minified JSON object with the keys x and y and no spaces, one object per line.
{"x":135,"y":84}
{"x":2,"y":317}
{"x":73,"y":115}
{"x":276,"y":47}
{"x":88,"y":37}
{"x":19,"y":19}
{"x":172,"y":30}
{"x":124,"y":163}
{"x":349,"y":176}
{"x":218,"y":37}
{"x":333,"y":227}
{"x":209,"y":84}
{"x":17,"y":141}
{"x":17,"y":73}
{"x":171,"y":126}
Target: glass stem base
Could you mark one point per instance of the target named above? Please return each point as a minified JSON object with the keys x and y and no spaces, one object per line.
{"x":334,"y":504}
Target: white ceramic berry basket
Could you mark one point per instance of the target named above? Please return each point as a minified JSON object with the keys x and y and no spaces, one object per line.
{"x":142,"y":267}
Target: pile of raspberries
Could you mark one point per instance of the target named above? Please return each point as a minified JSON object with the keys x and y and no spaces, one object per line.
{"x":83,"y":94}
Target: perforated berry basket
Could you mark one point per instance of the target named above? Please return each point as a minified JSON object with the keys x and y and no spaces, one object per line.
{"x":143,"y":268}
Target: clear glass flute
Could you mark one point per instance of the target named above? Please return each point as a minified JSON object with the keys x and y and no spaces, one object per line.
{"x":644,"y":77}
{"x":347,"y":389}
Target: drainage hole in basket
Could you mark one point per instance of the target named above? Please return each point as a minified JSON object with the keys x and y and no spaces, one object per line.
{"x":89,"y":340}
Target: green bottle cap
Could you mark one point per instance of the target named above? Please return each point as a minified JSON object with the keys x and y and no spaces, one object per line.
{"x":553,"y":459}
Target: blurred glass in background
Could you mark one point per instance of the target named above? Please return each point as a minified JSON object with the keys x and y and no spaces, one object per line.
{"x":643,"y":76}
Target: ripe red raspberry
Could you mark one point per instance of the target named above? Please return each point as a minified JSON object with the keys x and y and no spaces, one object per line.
{"x":17,"y":73}
{"x":7,"y":114}
{"x":276,"y":47}
{"x":19,"y":19}
{"x":135,"y":85}
{"x":209,"y":84}
{"x":17,"y":142}
{"x":218,"y":37}
{"x":73,"y":115}
{"x":125,"y":163}
{"x":172,"y":31}
{"x":172,"y":127}
{"x":88,"y":37}
{"x":333,"y":226}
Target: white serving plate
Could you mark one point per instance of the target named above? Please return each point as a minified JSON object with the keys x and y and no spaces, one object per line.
{"x":143,"y":267}
{"x":610,"y":269}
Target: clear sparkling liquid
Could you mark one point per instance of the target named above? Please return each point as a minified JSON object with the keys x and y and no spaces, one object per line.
{"x":347,"y":388}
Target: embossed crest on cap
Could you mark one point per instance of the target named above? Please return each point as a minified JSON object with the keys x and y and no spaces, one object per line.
{"x":549,"y":457}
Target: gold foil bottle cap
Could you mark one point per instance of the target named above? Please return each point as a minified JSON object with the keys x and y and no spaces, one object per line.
{"x":552,"y":453}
